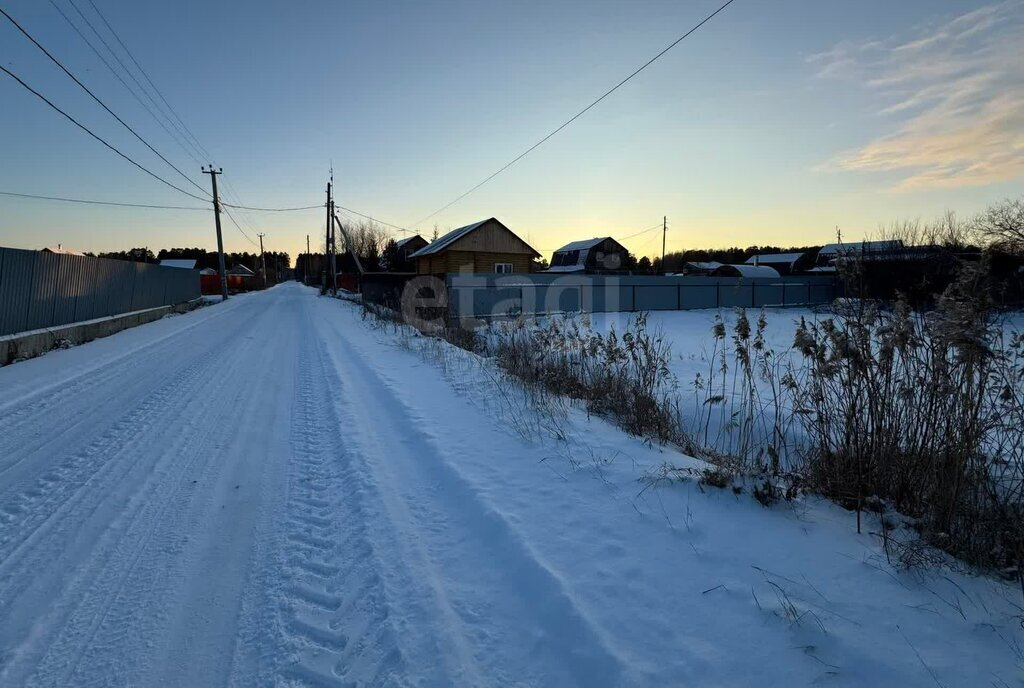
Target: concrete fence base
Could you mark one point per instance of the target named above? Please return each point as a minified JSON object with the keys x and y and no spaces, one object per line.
{"x":23,"y":345}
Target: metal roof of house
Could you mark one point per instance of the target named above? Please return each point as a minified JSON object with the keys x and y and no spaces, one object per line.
{"x":582,"y":244}
{"x":774,"y":258}
{"x":745,"y":270}
{"x":575,"y":267}
{"x":183,"y":263}
{"x":65,"y":251}
{"x":241,"y":270}
{"x":443,"y":242}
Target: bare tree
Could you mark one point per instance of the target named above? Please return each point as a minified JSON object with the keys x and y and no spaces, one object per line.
{"x":1002,"y":225}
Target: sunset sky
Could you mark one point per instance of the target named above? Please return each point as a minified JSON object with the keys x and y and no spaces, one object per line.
{"x":773,"y":124}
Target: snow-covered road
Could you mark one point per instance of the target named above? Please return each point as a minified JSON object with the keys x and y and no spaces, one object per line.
{"x":265,"y":493}
{"x":221,"y":499}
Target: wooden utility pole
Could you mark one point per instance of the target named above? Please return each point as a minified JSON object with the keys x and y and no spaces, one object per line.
{"x":305,"y":264}
{"x":327,"y":239}
{"x":220,"y":240}
{"x":263,"y":260}
{"x":664,"y":232}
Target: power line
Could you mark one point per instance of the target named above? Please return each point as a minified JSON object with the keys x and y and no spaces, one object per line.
{"x":273,"y":210}
{"x":578,"y":114}
{"x":126,"y":70}
{"x":388,"y":224}
{"x":649,"y":229}
{"x":237,"y":226}
{"x":91,"y":202}
{"x":117,"y":76}
{"x":96,"y":98}
{"x":88,"y":131}
{"x":148,"y":80}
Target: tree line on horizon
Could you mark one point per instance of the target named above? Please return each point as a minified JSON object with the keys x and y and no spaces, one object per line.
{"x":276,"y":260}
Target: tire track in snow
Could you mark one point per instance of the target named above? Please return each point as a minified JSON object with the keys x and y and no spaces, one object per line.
{"x":522,"y":625}
{"x":36,"y":426}
{"x":333,"y":617}
{"x":108,"y":504}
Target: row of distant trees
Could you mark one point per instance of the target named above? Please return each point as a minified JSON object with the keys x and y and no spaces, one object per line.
{"x":277,"y":261}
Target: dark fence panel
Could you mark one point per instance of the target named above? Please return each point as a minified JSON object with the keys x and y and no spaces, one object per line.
{"x":39,"y":290}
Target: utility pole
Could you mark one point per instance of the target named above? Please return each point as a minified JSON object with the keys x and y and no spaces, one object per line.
{"x":305,"y":264}
{"x":220,"y":240}
{"x":327,"y":239}
{"x":263,"y":260}
{"x":664,"y":231}
{"x":334,"y":252}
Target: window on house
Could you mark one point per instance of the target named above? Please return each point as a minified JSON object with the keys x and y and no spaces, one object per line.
{"x":503,"y":267}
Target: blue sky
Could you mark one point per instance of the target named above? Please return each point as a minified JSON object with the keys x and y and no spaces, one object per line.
{"x":773,"y":124}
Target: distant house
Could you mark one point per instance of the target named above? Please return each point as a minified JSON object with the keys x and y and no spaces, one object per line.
{"x":59,"y":248}
{"x":180,"y":263}
{"x":484,"y":246}
{"x":602,"y":254}
{"x":241,"y":271}
{"x":783,"y":263}
{"x":744,"y":270}
{"x":410,"y":245}
{"x":698,"y":267}
{"x":829,"y":253}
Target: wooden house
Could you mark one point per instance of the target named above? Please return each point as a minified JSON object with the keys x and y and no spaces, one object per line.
{"x":485,"y":246}
{"x":601,"y":254}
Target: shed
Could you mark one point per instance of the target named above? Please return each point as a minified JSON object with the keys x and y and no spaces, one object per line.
{"x":181,"y":263}
{"x":601,"y":254}
{"x":484,"y":246}
{"x":745,"y":270}
{"x":784,"y":263}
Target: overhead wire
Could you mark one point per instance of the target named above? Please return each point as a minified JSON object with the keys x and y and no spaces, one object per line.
{"x":92,"y":202}
{"x":577,"y":115}
{"x":127,"y":71}
{"x":644,"y":231}
{"x":148,"y":80}
{"x":88,"y":131}
{"x":97,"y":99}
{"x":175,"y":137}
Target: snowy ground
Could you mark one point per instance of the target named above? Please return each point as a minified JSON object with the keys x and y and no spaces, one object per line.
{"x":268,"y":492}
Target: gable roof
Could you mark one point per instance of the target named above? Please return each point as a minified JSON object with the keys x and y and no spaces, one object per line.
{"x":61,"y":250}
{"x":183,"y":263}
{"x":581,"y":245}
{"x":241,"y":270}
{"x":444,"y":242}
{"x":402,"y":242}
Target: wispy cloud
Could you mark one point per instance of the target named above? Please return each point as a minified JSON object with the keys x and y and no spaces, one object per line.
{"x":955,"y":93}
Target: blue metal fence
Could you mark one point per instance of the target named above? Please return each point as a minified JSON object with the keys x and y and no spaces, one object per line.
{"x":489,"y":295}
{"x":39,"y":290}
